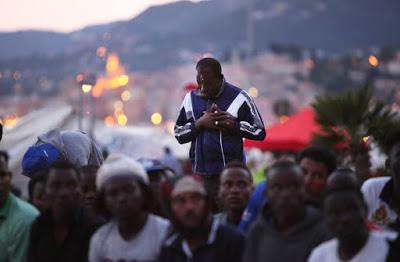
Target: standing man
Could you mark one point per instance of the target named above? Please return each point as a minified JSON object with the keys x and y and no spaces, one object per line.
{"x":16,"y":217}
{"x":215,"y":118}
{"x":197,"y":236}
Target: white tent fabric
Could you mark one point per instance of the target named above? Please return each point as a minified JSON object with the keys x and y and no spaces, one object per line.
{"x":133,"y":141}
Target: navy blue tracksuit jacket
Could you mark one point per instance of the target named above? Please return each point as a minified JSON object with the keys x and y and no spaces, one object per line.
{"x":212,"y":149}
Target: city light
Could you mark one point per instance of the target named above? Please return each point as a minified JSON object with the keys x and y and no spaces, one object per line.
{"x":109,"y":121}
{"x":10,"y":121}
{"x":373,"y":60}
{"x":86,"y":88}
{"x":123,"y":80}
{"x":101,"y":51}
{"x":118,"y":112}
{"x":79,"y":77}
{"x":118,"y":105}
{"x":283,"y":119}
{"x":122,"y":120}
{"x":17,"y":75}
{"x":112,"y":65}
{"x":126,"y":95}
{"x":253,"y":92}
{"x":156,"y":118}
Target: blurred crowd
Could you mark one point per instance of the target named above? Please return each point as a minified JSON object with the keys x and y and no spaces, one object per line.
{"x":83,"y":208}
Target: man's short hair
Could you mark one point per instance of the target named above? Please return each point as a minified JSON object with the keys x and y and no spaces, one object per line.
{"x":211,"y":63}
{"x":241,"y":165}
{"x":282,"y":164}
{"x":4,"y":154}
{"x":322,"y":154}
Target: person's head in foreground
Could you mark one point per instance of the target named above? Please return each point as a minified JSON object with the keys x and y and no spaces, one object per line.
{"x":88,"y":186}
{"x":189,"y":209}
{"x":345,"y":214}
{"x":285,"y":193}
{"x":123,"y":189}
{"x":317,"y":162}
{"x":36,"y":191}
{"x":62,"y":189}
{"x":236,"y":184}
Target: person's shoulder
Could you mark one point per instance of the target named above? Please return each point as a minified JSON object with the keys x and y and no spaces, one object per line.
{"x":323,"y":250}
{"x":24,"y":211}
{"x":104,"y":230}
{"x":158,"y":220}
{"x":375,"y":182}
{"x":158,"y":223}
{"x":230,"y":233}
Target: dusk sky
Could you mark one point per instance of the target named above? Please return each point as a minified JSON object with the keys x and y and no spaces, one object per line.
{"x":67,"y":15}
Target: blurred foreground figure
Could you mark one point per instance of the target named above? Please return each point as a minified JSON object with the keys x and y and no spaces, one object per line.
{"x":63,"y":231}
{"x":16,"y":217}
{"x":133,"y":234}
{"x":170,"y":161}
{"x":215,"y":118}
{"x":287,"y":229}
{"x":234,"y":191}
{"x":73,"y":146}
{"x":317,"y":163}
{"x":157,"y":174}
{"x":197,"y":236}
{"x":382,"y":194}
{"x":345,"y":214}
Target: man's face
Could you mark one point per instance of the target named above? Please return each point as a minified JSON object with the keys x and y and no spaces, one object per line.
{"x":208,"y":82}
{"x":394,"y":160}
{"x":5,"y":182}
{"x":285,"y":191}
{"x":344,"y":215}
{"x":62,"y":190}
{"x":189,"y":210}
{"x":235,"y":188}
{"x":88,"y":188}
{"x":123,"y":196}
{"x":38,"y":196}
{"x":315,"y":176}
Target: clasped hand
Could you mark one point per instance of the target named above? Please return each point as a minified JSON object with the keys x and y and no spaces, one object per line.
{"x":215,"y":118}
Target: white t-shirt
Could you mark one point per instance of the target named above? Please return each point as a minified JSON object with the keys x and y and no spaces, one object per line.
{"x":379,"y":211}
{"x":107,"y":245}
{"x":376,"y":249}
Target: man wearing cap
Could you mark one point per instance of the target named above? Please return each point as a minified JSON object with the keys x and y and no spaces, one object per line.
{"x":197,"y":236}
{"x":62,"y":232}
{"x":215,"y":118}
{"x":156,"y":174}
{"x":16,"y":217}
{"x":133,"y":234}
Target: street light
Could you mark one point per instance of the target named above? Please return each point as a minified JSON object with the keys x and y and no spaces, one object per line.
{"x":86,"y":83}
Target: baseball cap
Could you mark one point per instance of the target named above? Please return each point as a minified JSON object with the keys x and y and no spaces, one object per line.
{"x":39,"y":157}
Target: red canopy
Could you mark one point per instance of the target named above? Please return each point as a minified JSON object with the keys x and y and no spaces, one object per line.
{"x":293,"y":135}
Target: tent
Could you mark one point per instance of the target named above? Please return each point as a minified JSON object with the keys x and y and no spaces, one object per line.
{"x":135,"y":141}
{"x":293,"y":135}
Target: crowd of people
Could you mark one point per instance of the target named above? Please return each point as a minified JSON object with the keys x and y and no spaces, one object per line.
{"x":81,"y":207}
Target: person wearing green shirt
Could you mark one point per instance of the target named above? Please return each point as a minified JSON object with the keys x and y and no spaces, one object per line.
{"x":16,"y":217}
